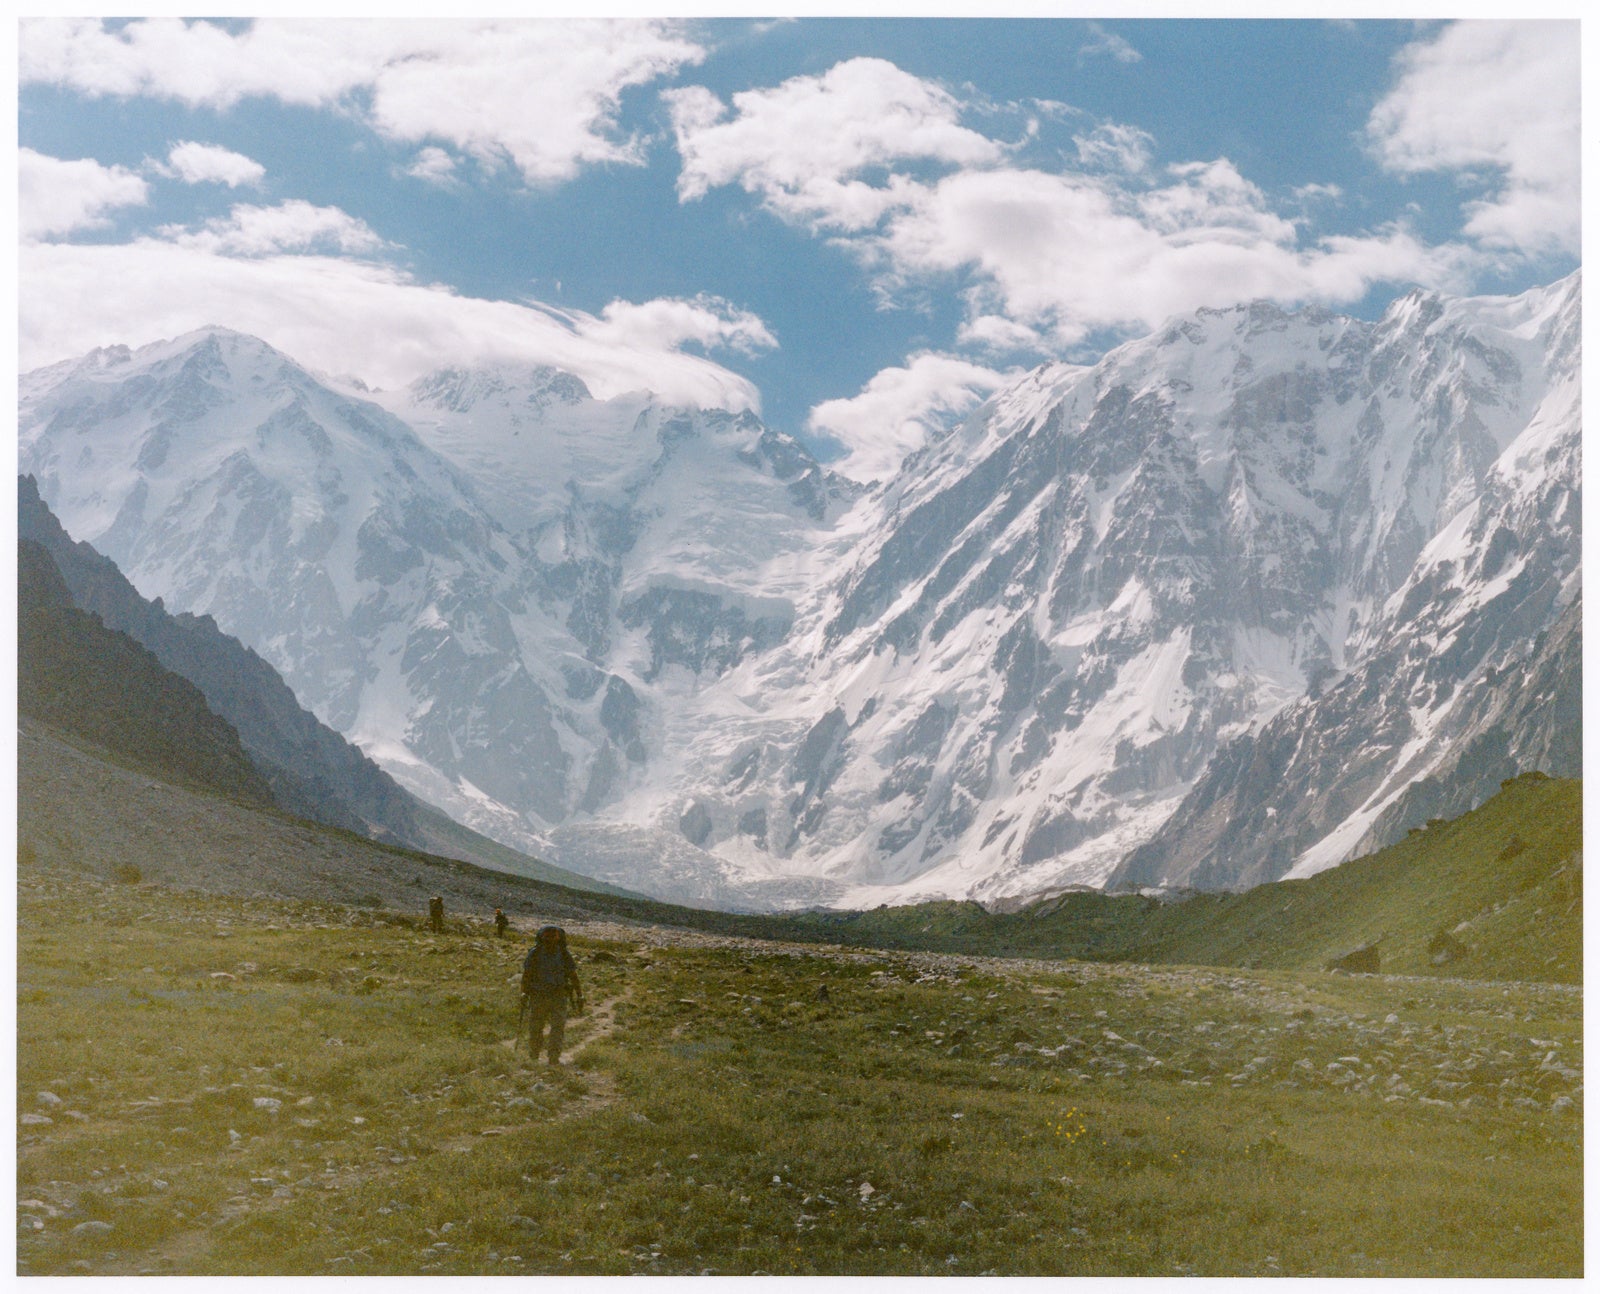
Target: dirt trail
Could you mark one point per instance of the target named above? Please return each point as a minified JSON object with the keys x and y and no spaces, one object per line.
{"x":593,"y":1091}
{"x":584,"y":1094}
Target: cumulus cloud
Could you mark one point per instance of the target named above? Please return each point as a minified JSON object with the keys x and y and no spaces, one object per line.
{"x":815,"y":148}
{"x":997,"y":334}
{"x":1071,"y":254}
{"x":894,"y":414}
{"x":1497,"y":103}
{"x":433,"y":166}
{"x":338,"y":314}
{"x":293,"y":226}
{"x":540,"y":95}
{"x":879,"y":160}
{"x":196,"y":163}
{"x":669,"y":322}
{"x":57,"y":196}
{"x":1212,"y":200}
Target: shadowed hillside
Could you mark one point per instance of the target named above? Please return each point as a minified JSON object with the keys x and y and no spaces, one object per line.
{"x":105,"y":689}
{"x":312,"y":771}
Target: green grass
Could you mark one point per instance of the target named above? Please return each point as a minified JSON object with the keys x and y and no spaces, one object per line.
{"x":925,"y":1116}
{"x":1505,"y":882}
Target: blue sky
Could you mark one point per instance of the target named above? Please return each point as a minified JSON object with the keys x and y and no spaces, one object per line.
{"x":859,"y":227}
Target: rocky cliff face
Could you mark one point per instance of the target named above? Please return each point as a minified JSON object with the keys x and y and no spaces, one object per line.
{"x":1223,"y":599}
{"x":1107,"y":588}
{"x":1470,"y":673}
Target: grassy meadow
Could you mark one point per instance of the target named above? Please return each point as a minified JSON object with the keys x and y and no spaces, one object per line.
{"x":232,"y":1086}
{"x":1499,"y":889}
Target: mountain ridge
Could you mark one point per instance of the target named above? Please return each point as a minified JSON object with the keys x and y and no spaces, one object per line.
{"x":1000,"y":672}
{"x":104,"y":688}
{"x":295,"y":763}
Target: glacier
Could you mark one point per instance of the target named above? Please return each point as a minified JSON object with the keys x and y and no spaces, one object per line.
{"x":1207,"y":612}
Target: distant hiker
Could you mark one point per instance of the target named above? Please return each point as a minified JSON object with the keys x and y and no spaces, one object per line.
{"x":549,"y":988}
{"x":436,"y":914}
{"x":500,"y":923}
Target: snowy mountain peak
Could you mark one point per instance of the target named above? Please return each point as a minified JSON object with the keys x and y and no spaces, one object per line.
{"x":1098,"y":621}
{"x":1071,"y":605}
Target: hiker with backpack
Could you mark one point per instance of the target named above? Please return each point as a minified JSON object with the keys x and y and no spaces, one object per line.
{"x":549,"y":988}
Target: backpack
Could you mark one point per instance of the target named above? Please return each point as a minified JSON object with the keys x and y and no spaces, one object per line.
{"x":547,"y":973}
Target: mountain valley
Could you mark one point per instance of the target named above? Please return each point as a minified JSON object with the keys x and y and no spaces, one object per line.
{"x":1113,"y":630}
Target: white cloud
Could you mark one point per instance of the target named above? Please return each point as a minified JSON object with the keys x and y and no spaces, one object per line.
{"x":1309,"y":194}
{"x":337,"y":314}
{"x":540,"y":95}
{"x":433,"y":166}
{"x":1110,"y":44}
{"x":1071,"y":254}
{"x":894,"y":414}
{"x":998,"y":334}
{"x":290,"y":226}
{"x":1497,"y":102}
{"x":196,"y":63}
{"x":1212,"y":200}
{"x":668,"y":323}
{"x":879,"y":159}
{"x":815,"y":148}
{"x":1116,"y":147}
{"x":195,"y":163}
{"x":56,"y":196}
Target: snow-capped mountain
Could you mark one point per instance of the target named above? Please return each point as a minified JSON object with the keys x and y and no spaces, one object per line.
{"x":1471,"y":673}
{"x":485,"y":638}
{"x":667,"y":645}
{"x":1069,"y":607}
